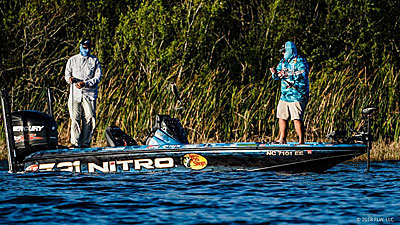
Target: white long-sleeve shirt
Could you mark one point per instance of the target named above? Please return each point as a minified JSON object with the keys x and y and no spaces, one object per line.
{"x":87,"y":69}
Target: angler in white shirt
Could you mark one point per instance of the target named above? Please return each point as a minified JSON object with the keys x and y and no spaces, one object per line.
{"x":83,"y":73}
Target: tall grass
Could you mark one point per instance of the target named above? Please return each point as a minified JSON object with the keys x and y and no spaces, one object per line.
{"x":216,"y":111}
{"x":217,"y":53}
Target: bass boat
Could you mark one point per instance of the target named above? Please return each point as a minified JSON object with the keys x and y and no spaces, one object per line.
{"x":32,"y":144}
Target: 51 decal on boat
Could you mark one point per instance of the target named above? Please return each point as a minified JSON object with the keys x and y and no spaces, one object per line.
{"x":105,"y":167}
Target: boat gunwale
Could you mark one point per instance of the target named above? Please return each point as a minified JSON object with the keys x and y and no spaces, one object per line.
{"x":123,"y":151}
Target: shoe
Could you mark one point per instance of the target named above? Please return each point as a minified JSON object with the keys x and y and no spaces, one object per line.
{"x":85,"y":146}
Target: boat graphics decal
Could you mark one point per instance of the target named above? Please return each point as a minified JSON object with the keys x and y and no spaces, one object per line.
{"x":246,"y":145}
{"x":106,"y":166}
{"x":194,"y":161}
{"x":285,"y":153}
{"x":27,"y":128}
{"x":171,"y":146}
{"x":115,"y":148}
{"x":193,"y":146}
{"x":22,"y":138}
{"x":32,"y":168}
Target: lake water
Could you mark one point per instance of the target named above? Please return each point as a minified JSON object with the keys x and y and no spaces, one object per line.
{"x":343,"y":195}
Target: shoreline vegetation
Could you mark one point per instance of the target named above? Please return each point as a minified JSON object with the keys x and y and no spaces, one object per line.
{"x":217,"y":53}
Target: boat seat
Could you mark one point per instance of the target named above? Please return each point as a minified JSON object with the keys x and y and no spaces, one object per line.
{"x":116,"y":137}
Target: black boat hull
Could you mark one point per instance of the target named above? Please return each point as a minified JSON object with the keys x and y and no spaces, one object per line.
{"x":311,"y":157}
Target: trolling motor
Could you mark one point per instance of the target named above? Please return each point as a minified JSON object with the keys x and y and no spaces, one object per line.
{"x":368,"y":138}
{"x":27,"y":131}
{"x":364,"y":135}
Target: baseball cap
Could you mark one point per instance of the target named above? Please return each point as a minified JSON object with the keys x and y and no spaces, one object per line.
{"x":86,"y":42}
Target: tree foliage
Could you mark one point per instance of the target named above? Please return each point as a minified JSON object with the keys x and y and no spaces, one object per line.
{"x":218,"y":52}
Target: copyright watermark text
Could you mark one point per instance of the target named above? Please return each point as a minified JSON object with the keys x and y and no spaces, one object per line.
{"x":373,"y":219}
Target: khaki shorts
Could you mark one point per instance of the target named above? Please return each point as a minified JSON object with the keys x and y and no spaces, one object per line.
{"x":292,"y":110}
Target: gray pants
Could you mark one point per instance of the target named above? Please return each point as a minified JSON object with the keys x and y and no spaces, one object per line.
{"x":85,"y":111}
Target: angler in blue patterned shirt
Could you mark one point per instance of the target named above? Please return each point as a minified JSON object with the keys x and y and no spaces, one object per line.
{"x":292,"y":71}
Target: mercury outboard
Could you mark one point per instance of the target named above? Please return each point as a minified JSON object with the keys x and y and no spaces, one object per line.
{"x":31,"y":130}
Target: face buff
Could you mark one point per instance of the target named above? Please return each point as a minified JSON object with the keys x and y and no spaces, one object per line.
{"x":290,"y":50}
{"x":84,"y":51}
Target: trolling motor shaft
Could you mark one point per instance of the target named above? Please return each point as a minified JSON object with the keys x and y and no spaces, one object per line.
{"x":368,"y":137}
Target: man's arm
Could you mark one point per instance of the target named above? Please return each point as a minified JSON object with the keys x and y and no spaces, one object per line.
{"x":275,"y":72}
{"x":97,"y":76}
{"x":301,"y":70}
{"x":68,"y":72}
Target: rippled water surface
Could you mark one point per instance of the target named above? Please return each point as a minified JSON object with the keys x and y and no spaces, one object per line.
{"x":343,"y":195}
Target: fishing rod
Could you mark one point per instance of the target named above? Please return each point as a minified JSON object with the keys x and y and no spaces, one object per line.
{"x":175,"y":91}
{"x":172,"y":87}
{"x":291,"y":85}
{"x":49,"y":102}
{"x":73,"y":81}
{"x":8,"y":128}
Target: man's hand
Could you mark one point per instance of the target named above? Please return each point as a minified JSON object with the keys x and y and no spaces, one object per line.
{"x":80,"y":85}
{"x":273,"y":70}
{"x":71,"y":79}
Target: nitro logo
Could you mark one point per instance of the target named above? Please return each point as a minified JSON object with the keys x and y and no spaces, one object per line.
{"x":137,"y":164}
{"x":27,"y":128}
{"x":110,"y":166}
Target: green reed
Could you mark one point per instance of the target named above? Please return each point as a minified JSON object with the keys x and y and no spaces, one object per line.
{"x":217,"y":54}
{"x":218,"y":109}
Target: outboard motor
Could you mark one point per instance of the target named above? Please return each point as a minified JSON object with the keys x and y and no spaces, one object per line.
{"x":33,"y":130}
{"x":27,"y":131}
{"x":167,"y":130}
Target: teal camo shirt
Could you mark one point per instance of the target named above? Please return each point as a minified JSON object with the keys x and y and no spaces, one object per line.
{"x":294,"y":69}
